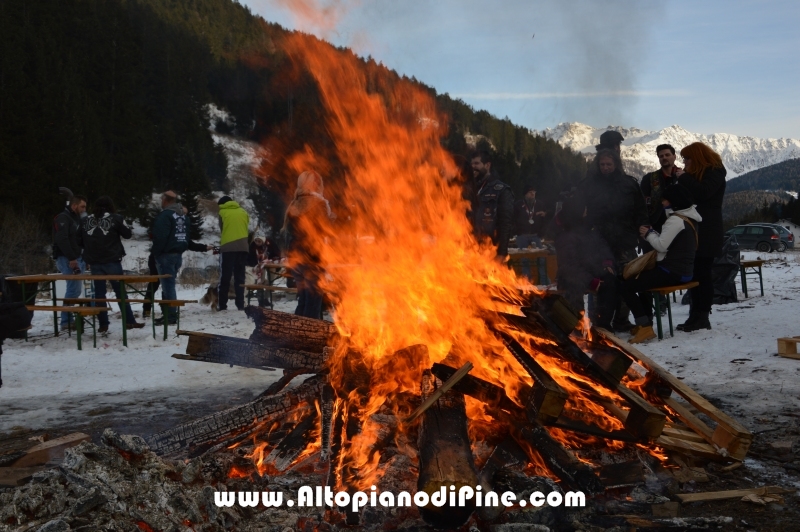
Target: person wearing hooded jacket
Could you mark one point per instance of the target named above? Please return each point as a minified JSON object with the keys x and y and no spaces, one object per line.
{"x":615,"y":208}
{"x":66,"y":250}
{"x":170,"y":240}
{"x":234,"y":223}
{"x":101,"y":237}
{"x":704,"y":176}
{"x":306,"y":219}
{"x":676,"y":246}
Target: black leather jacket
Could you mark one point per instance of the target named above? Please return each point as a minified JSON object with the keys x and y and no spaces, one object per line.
{"x":493,"y":213}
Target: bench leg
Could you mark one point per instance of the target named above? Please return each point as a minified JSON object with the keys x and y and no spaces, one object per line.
{"x":94,"y":331}
{"x":761,"y":281}
{"x":657,"y":300}
{"x":743,"y":276}
{"x":178,"y":318}
{"x":79,"y":323}
{"x":669,"y":313}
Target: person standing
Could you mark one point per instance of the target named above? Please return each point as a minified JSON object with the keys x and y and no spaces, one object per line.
{"x":704,"y":176}
{"x":234,"y":223}
{"x":101,"y":237}
{"x":654,"y":184}
{"x":493,"y":205}
{"x":529,"y":220}
{"x":170,"y":240}
{"x":307,"y":217}
{"x":66,"y":249}
{"x":615,"y":208}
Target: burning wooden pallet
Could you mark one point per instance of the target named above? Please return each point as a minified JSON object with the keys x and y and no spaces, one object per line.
{"x":328,"y":419}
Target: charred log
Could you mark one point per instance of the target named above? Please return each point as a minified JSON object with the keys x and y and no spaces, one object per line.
{"x":220,"y":425}
{"x":248,"y":353}
{"x":507,"y":454}
{"x":288,"y":330}
{"x":571,"y":471}
{"x":486,"y":392}
{"x":445,"y":457}
{"x":290,"y":447}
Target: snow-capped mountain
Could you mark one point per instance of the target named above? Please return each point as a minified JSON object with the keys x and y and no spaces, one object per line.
{"x":740,"y":154}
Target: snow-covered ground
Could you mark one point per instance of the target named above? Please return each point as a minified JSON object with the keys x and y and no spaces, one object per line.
{"x":49,"y":383}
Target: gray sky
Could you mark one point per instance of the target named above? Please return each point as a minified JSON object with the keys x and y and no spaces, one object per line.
{"x":709,"y":66}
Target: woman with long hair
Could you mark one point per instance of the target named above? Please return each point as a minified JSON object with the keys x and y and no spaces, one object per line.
{"x":100,"y":236}
{"x":704,"y":176}
{"x":305,"y":217}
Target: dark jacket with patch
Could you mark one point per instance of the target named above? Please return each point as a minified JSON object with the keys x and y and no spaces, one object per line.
{"x":65,"y":235}
{"x":523,"y":217}
{"x":169,"y":231}
{"x":615,"y":207}
{"x":101,"y":238}
{"x":708,"y":195}
{"x":493,"y":213}
{"x":653,"y":185}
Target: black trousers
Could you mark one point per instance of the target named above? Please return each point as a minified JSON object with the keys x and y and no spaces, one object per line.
{"x":703,"y":294}
{"x":635,"y":291}
{"x":233,"y":262}
{"x":151,"y":287}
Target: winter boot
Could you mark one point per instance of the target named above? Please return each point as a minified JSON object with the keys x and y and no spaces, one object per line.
{"x":688,"y":323}
{"x":643,"y":333}
{"x":700,"y":322}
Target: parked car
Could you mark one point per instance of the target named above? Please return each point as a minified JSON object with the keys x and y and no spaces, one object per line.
{"x":787,"y":237}
{"x":759,"y":237}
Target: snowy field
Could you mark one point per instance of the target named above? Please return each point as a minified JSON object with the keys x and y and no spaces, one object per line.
{"x":48,"y":383}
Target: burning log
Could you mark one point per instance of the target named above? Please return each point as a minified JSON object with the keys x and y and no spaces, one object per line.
{"x":223,"y":424}
{"x":250,"y":354}
{"x":644,"y":420}
{"x":547,"y":399}
{"x":287,"y":330}
{"x":507,"y":454}
{"x":440,"y":391}
{"x":571,"y":471}
{"x":327,"y":404}
{"x":445,"y":456}
{"x":290,"y":447}
{"x":486,"y":392}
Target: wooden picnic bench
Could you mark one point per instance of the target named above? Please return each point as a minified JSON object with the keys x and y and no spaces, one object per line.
{"x":666,"y":291}
{"x":268,"y":288}
{"x":744,"y":272}
{"x":80,"y":314}
{"x":124,"y":280}
{"x":178,"y":303}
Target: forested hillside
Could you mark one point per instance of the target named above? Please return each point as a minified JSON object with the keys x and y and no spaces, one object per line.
{"x":108,"y":97}
{"x":781,"y":176}
{"x":737,"y":205}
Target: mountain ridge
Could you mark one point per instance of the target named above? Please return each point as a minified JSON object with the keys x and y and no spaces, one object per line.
{"x":740,"y":154}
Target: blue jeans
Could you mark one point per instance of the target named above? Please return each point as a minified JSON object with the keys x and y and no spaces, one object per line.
{"x":74,"y":288}
{"x":169,"y":264}
{"x":523,"y":241}
{"x":112,"y":268}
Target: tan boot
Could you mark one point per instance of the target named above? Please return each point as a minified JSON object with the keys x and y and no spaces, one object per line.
{"x":643,"y":334}
{"x":635,"y":330}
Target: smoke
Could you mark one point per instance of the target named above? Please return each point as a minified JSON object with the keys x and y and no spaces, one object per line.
{"x":608,"y":44}
{"x":318,"y":17}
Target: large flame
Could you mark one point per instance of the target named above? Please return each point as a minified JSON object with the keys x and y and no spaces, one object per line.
{"x":402,"y":265}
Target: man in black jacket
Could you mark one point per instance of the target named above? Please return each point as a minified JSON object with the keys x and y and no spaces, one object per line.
{"x":615,"y":207}
{"x":654,"y":183}
{"x":101,"y":235}
{"x":66,"y":250}
{"x":493,"y":205}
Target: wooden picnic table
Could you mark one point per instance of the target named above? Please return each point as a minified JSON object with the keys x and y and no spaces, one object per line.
{"x":124,"y":281}
{"x":744,"y":272}
{"x":517,"y":255}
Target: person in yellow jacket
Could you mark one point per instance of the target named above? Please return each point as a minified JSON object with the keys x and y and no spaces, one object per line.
{"x":234,"y":223}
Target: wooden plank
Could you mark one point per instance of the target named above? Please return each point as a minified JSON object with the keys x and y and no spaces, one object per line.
{"x":732,"y":494}
{"x":200,"y":358}
{"x":691,"y":448}
{"x":76,"y":310}
{"x":17,"y":476}
{"x":50,"y":450}
{"x":547,"y":398}
{"x":434,"y":397}
{"x":685,"y":435}
{"x":729,"y":433}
